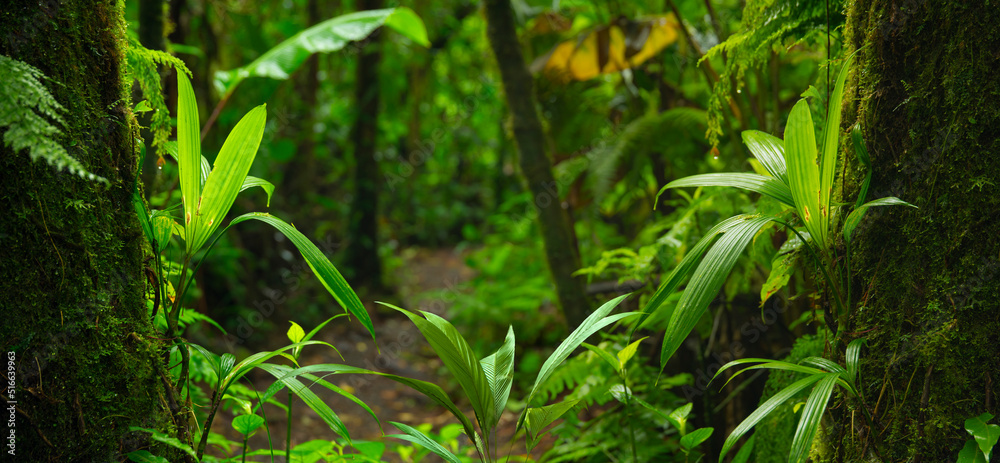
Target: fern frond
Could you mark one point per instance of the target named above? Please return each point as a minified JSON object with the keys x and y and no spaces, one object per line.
{"x":142,"y":66}
{"x":647,"y":134}
{"x":26,"y":109}
{"x":766,"y":26}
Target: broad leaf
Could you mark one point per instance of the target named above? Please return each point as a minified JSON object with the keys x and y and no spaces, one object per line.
{"x":803,"y":173}
{"x":332,"y":280}
{"x":188,"y":157}
{"x":171,"y":441}
{"x":460,"y":360}
{"x":768,"y":186}
{"x":326,"y":37}
{"x":228,"y":174}
{"x":769,"y":150}
{"x":706,"y":282}
{"x":986,"y":435}
{"x":695,"y":438}
{"x":414,"y":435}
{"x":499,"y":369}
{"x":295,"y":332}
{"x":247,"y":424}
{"x":143,"y":456}
{"x":831,"y":139}
{"x":811,"y":416}
{"x":854,"y":218}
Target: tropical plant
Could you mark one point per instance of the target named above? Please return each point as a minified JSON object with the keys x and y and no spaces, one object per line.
{"x":486,"y":382}
{"x":791,"y":174}
{"x":984,"y":440}
{"x":823,"y":375}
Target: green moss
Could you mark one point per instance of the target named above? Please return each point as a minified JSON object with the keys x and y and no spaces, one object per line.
{"x":72,"y":283}
{"x":927,"y":97}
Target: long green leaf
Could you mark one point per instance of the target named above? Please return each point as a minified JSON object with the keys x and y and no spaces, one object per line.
{"x":414,"y":435}
{"x":831,"y":137}
{"x":309,"y":397}
{"x":249,"y":363}
{"x":706,"y":282}
{"x":684,"y":269}
{"x":852,"y":358}
{"x":326,"y":37}
{"x":765,"y":409}
{"x":307,"y":372}
{"x":769,"y":150}
{"x":169,"y":440}
{"x":769,"y":186}
{"x":499,"y":369}
{"x":594,"y":323}
{"x":854,"y":218}
{"x":430,"y":390}
{"x":803,"y":173}
{"x":228,"y":174}
{"x":811,"y":416}
{"x":188,"y":157}
{"x":460,"y":360}
{"x":332,"y":280}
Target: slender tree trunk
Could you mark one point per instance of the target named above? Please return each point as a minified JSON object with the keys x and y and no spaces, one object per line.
{"x":72,"y":282}
{"x":926,"y":280}
{"x":362,"y":253}
{"x":553,"y":220}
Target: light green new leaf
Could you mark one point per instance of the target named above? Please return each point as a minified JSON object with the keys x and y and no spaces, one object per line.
{"x":247,"y":424}
{"x":250,"y":182}
{"x":228,"y":174}
{"x":332,"y":280}
{"x":696,"y":437}
{"x":499,"y":370}
{"x":188,"y":157}
{"x":538,"y":418}
{"x":414,"y":435}
{"x":854,"y":218}
{"x":765,"y":409}
{"x":706,"y":282}
{"x":768,"y":186}
{"x":811,"y":416}
{"x":163,"y":229}
{"x":628,"y":352}
{"x":594,"y":323}
{"x":831,"y":139}
{"x":803,"y":173}
{"x":679,"y":416}
{"x":769,"y":150}
{"x":295,"y":332}
{"x":326,"y":37}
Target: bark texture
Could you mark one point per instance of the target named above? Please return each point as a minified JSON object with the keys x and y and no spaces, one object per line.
{"x":362,"y":254}
{"x":926,"y":280}
{"x":553,"y":221}
{"x":72,"y":279}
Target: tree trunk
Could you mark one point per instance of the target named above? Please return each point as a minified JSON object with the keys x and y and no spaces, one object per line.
{"x":926,"y":280}
{"x":73,"y":279}
{"x":362,"y":253}
{"x":553,"y":221}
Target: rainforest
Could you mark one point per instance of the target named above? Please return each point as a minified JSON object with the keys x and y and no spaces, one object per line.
{"x":500,"y":231}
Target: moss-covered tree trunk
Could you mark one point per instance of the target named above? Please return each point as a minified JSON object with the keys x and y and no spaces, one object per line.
{"x":557,"y":233}
{"x":927,"y":94}
{"x":72,"y":278}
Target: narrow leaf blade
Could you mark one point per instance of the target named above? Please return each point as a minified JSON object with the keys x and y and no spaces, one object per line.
{"x":811,"y":416}
{"x":767,"y":186}
{"x":769,"y":150}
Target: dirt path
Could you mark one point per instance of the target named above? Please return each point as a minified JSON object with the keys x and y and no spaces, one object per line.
{"x":401,"y":351}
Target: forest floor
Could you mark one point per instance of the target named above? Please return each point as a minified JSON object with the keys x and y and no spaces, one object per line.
{"x":402,"y":351}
